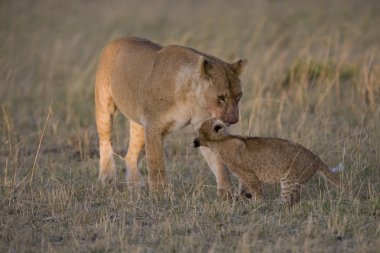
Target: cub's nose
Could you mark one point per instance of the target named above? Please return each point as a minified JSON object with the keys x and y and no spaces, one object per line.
{"x":196,"y":143}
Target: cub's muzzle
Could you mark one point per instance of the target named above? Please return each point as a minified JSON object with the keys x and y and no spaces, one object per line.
{"x":196,"y":143}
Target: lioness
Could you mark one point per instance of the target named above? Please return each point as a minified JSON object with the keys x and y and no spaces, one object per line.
{"x":160,"y":90}
{"x":269,"y":160}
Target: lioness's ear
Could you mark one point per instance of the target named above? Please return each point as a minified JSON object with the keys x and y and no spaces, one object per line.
{"x":239,"y":66}
{"x":204,"y":66}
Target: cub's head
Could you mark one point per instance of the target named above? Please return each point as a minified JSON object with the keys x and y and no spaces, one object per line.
{"x":211,"y":130}
{"x":219,"y":89}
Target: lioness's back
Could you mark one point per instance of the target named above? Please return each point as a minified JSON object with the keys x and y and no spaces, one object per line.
{"x":133,"y":43}
{"x":126,"y":55}
{"x":124,"y":66}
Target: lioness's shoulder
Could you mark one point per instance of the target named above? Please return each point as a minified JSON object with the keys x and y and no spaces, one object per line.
{"x":180,"y":50}
{"x":188,"y":53}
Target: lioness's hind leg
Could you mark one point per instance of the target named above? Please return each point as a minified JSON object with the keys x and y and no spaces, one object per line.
{"x":105,"y":109}
{"x":136,"y":144}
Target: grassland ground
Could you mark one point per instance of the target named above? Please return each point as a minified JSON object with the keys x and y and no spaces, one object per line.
{"x":312,"y":77}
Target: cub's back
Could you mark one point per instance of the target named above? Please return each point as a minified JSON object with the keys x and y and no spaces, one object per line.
{"x":275,"y":157}
{"x":273,"y":148}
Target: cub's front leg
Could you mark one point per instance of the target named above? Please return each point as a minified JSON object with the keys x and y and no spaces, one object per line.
{"x":221,"y":173}
{"x":155,"y":159}
{"x":253,"y":184}
{"x":243,"y":190}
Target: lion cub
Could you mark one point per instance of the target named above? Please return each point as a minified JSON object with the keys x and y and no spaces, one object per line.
{"x":269,"y":160}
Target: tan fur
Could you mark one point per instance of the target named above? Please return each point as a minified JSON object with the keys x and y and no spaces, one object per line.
{"x":269,"y":160}
{"x":160,"y":89}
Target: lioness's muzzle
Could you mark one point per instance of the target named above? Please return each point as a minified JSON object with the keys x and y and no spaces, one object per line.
{"x":232,"y":117}
{"x":232,"y":120}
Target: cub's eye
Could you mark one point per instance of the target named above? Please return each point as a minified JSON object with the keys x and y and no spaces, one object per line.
{"x":222,"y":99}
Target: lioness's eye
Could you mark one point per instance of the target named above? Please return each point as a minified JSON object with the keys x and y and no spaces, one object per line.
{"x":238,"y":97}
{"x":222,"y":98}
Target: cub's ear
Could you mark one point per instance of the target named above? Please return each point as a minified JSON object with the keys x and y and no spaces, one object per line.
{"x":218,"y":127}
{"x":204,"y":66}
{"x":238,"y":66}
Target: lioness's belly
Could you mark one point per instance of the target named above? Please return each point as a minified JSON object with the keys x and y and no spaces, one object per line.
{"x":127,"y":102}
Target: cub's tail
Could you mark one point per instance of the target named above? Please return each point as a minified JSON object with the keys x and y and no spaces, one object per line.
{"x":331,"y":175}
{"x":339,"y":168}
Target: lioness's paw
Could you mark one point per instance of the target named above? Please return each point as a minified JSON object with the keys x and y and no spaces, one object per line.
{"x":158,"y":186}
{"x":107,"y":176}
{"x":134,"y":180}
{"x":132,"y":176}
{"x":225,"y":194}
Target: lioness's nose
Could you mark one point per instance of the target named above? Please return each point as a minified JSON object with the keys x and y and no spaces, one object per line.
{"x":232,"y":119}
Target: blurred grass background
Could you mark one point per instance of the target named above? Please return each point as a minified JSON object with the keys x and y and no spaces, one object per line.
{"x":312,"y":76}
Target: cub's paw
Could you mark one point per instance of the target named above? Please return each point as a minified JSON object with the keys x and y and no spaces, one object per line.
{"x":245,"y":194}
{"x":286,"y":202}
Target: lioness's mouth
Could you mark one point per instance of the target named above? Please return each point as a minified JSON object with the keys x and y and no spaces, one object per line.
{"x":224,"y":120}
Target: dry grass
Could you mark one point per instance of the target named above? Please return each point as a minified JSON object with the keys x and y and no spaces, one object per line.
{"x":313,"y":77}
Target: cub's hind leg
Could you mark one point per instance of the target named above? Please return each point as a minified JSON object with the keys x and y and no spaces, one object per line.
{"x":290,"y":192}
{"x":105,"y":109}
{"x":136,"y":144}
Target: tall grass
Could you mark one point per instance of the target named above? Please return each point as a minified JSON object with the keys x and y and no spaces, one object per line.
{"x":313,"y":77}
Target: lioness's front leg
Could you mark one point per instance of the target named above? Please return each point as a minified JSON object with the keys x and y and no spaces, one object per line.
{"x":155,"y":158}
{"x":221,"y":173}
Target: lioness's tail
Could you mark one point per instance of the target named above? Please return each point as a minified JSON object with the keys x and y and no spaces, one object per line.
{"x":330,"y":175}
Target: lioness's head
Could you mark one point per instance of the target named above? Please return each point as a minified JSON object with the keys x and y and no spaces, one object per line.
{"x":210,"y":130}
{"x":219,"y":88}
